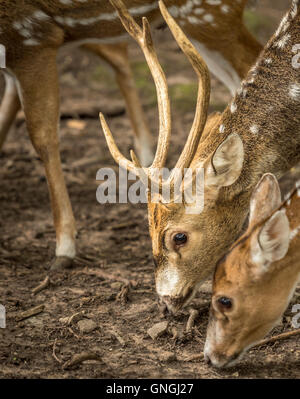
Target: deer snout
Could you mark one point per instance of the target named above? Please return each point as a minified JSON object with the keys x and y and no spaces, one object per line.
{"x":174,"y":304}
{"x":177,"y":302}
{"x":220,"y":360}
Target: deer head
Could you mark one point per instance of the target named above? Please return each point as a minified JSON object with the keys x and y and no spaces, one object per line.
{"x":254,"y":282}
{"x":183,"y":244}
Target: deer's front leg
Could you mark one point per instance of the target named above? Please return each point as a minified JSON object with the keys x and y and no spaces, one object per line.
{"x":10,"y":105}
{"x":116,"y":55}
{"x":39,"y":92}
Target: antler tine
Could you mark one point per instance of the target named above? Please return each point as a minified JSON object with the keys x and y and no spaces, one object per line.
{"x":115,"y":152}
{"x":203,"y":90}
{"x":144,"y":39}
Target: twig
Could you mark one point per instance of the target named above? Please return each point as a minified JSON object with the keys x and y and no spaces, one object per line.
{"x":72,"y":332}
{"x":118,"y":337}
{"x":191,"y":321}
{"x":279,"y":337}
{"x":79,"y":358}
{"x":29,"y":313}
{"x":107,"y":276}
{"x":123,"y":294}
{"x":75,"y":317}
{"x":53,"y":352}
{"x":174,"y":332}
{"x":199,"y":356}
{"x":44,"y":284}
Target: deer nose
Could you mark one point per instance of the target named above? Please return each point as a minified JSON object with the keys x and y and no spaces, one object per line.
{"x":174,"y":304}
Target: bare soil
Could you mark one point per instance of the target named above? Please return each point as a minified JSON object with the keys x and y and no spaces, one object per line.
{"x":112,"y":280}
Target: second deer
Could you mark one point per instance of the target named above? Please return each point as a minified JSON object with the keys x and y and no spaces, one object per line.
{"x":254,"y":283}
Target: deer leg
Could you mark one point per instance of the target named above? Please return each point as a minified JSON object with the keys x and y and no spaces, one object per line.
{"x":116,"y":55}
{"x":10,"y":105}
{"x":39,"y":93}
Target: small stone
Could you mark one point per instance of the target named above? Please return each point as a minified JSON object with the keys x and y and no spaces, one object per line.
{"x":167,"y":357}
{"x":63,"y":320}
{"x":158,"y":329}
{"x":116,"y":285}
{"x":235,"y":374}
{"x":86,"y":325}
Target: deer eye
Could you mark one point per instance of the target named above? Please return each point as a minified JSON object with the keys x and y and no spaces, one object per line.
{"x":225,"y":303}
{"x":180,"y":239}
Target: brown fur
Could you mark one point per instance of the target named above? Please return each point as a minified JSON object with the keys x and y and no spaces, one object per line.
{"x":260,"y":294}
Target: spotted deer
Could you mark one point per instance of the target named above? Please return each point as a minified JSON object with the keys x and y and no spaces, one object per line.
{"x":254,"y":283}
{"x":258,"y":132}
{"x":33,"y":31}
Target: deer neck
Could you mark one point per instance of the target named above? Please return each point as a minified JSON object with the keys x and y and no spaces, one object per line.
{"x":265,"y":111}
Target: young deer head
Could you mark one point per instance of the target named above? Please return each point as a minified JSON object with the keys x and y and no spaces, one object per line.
{"x":232,"y":155}
{"x":253,"y":284}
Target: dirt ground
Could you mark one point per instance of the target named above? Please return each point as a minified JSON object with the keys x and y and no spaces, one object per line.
{"x":113,"y":242}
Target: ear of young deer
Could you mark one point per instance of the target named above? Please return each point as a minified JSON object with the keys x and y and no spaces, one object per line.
{"x":257,"y":133}
{"x":255,"y":282}
{"x":33,"y":31}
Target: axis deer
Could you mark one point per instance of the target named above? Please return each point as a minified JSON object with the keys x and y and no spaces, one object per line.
{"x":33,"y":31}
{"x":257,"y":133}
{"x":254,"y":283}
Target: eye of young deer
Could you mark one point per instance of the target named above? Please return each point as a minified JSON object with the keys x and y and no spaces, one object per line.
{"x":253,"y":285}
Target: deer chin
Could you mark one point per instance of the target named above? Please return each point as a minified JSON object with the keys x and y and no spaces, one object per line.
{"x":175,"y":303}
{"x":220,"y":360}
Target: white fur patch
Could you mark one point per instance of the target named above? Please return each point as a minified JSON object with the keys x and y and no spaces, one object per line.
{"x":225,"y":9}
{"x":167,"y":281}
{"x":233,"y":107}
{"x":281,"y":43}
{"x":254,"y":129}
{"x":268,"y":61}
{"x":294,"y":91}
{"x":294,"y":233}
{"x":66,"y":246}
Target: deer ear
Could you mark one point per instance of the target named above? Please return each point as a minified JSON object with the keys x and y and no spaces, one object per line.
{"x":226,"y":163}
{"x":272,"y":241}
{"x":265,"y":198}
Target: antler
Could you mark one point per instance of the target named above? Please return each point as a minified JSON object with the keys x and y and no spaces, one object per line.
{"x":144,"y":39}
{"x":203,"y":95}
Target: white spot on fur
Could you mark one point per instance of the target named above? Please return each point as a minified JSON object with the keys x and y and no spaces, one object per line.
{"x":254,"y":129}
{"x":208,"y":18}
{"x":214,"y":2}
{"x":225,"y":9}
{"x":294,"y":91}
{"x":268,"y":61}
{"x":281,"y":43}
{"x":193,"y":20}
{"x":199,"y":11}
{"x":40,"y":15}
{"x":174,"y":11}
{"x":222,"y":129}
{"x":294,"y":233}
{"x":233,"y":107}
{"x":31,"y":42}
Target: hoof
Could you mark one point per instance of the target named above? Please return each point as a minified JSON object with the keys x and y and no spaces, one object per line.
{"x":61,"y":263}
